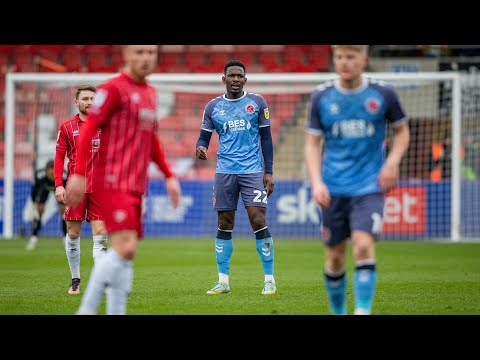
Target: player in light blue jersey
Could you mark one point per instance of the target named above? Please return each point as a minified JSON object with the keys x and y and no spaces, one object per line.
{"x":350,"y":178}
{"x":244,"y":166}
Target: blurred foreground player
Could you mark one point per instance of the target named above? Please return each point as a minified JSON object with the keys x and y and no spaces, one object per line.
{"x":125,"y":109}
{"x":350,"y":179}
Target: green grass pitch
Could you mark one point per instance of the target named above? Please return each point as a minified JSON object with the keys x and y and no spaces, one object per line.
{"x":171,"y":277}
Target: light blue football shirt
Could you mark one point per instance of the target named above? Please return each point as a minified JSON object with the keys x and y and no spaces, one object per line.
{"x":354,"y":124}
{"x":237,"y":123}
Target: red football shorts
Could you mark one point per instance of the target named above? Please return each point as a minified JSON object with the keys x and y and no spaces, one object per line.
{"x":88,"y":209}
{"x":122,"y":211}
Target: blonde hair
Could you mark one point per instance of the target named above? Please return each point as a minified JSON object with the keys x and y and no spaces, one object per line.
{"x":360,"y":48}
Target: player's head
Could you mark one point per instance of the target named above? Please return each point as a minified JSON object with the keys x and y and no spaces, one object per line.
{"x":84,"y":98}
{"x":349,"y":61}
{"x":49,"y":169}
{"x":140,"y":60}
{"x":234,"y":77}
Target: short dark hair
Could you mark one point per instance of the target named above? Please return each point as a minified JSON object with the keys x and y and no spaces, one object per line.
{"x":49,"y":164}
{"x":83,"y":88}
{"x":234,"y":63}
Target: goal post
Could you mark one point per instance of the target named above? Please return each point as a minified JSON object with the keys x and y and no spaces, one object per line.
{"x":433,"y":100}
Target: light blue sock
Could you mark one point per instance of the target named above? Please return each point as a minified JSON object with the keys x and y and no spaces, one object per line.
{"x":223,"y":251}
{"x":264,"y":245}
{"x":364,"y":281}
{"x":336,"y":285}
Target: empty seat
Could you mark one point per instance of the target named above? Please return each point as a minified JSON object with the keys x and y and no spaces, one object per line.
{"x":96,"y":62}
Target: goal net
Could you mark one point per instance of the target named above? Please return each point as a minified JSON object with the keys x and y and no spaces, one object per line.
{"x":436,"y":197}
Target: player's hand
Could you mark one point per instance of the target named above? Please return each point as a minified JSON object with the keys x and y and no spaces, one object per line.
{"x":268,"y":183}
{"x":174,"y":191}
{"x":201,"y":153}
{"x":388,"y":177}
{"x":75,"y":190}
{"x":60,"y":194}
{"x":321,"y":195}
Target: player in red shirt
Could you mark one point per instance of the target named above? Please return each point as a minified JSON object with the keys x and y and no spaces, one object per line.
{"x":125,"y":109}
{"x":89,"y":208}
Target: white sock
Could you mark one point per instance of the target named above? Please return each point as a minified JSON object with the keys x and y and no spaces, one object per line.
{"x":223,"y":278}
{"x":99,"y":247}
{"x":117,"y":294}
{"x":104,"y":274}
{"x":269,"y":278}
{"x":72,"y":249}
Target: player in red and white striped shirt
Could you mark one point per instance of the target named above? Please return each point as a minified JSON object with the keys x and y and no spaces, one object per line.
{"x":89,"y":208}
{"x":125,"y":109}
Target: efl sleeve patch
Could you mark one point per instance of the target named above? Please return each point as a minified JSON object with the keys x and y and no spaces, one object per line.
{"x":266,"y":113}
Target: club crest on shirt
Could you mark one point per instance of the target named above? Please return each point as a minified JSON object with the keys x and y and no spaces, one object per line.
{"x":334,"y":109}
{"x":135,"y":97}
{"x":250,"y":109}
{"x":266,"y":113}
{"x":372,"y":105}
{"x":95,"y":143}
{"x":119,"y":215}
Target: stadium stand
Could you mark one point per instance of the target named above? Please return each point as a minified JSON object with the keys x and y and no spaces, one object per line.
{"x":183,"y":122}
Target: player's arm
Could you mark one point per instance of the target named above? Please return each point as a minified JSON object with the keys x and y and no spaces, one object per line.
{"x":58,"y":165}
{"x":390,"y":171}
{"x":202,"y":144}
{"x":312,"y":154}
{"x":159,"y":158}
{"x":206,"y":132}
{"x":267,"y":151}
{"x":171,"y":182}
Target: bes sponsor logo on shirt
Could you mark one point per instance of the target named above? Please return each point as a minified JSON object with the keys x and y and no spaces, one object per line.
{"x":237,"y":125}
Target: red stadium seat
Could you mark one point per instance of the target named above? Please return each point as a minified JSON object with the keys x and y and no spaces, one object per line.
{"x":73,"y":60}
{"x":218,"y":60}
{"x":96,"y":62}
{"x":23,"y":61}
{"x":270,"y":60}
{"x":50,"y":52}
{"x":247,"y":57}
{"x":169,"y":59}
{"x":116,"y":61}
{"x":294,"y":58}
{"x":319,"y":60}
{"x":7,"y":49}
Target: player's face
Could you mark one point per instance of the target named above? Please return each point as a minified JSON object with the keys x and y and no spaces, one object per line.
{"x":141,"y":60}
{"x":234,"y":79}
{"x":84,"y":101}
{"x":349,"y":63}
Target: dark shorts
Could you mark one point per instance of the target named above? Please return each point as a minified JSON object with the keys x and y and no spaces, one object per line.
{"x":346,"y":214}
{"x":228,"y":187}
